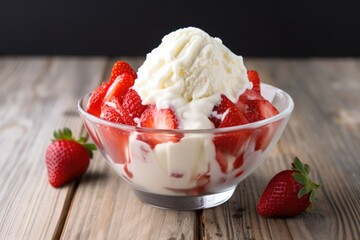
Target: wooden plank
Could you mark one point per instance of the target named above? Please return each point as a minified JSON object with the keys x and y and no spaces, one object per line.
{"x":324,"y":132}
{"x":104,"y":207}
{"x":37,"y":96}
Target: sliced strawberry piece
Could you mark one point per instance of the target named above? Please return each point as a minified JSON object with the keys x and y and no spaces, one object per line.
{"x":267,"y":133}
{"x":159,"y":119}
{"x":232,"y":142}
{"x":245,"y":97}
{"x":120,"y":87}
{"x":220,"y":109}
{"x":113,"y":111}
{"x":119,"y":68}
{"x":255,"y":106}
{"x":259,"y":110}
{"x":239,"y":161}
{"x":221,"y":159}
{"x":110,"y":114}
{"x":224,"y":105}
{"x":96,"y":99}
{"x":233,"y":117}
{"x":115,"y":144}
{"x":215,"y":120}
{"x":254,"y":78}
{"x":132,"y":102}
{"x":115,"y":140}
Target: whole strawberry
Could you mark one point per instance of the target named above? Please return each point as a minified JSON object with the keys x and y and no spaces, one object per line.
{"x":288,"y":193}
{"x":67,"y":158}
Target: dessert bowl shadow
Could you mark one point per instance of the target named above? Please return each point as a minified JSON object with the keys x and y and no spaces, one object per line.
{"x":188,"y":169}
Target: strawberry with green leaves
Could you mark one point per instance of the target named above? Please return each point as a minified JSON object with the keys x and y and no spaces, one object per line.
{"x":67,"y":158}
{"x":288,"y":193}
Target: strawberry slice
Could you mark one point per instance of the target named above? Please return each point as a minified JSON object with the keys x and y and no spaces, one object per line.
{"x":119,"y":68}
{"x":113,"y":111}
{"x":239,"y":161}
{"x":233,"y":117}
{"x":132,"y":102}
{"x":255,"y":107}
{"x":159,"y":119}
{"x":258,"y":110}
{"x":229,"y":142}
{"x":115,"y":142}
{"x":254,"y":78}
{"x":265,"y":136}
{"x":120,"y":87}
{"x":245,"y":97}
{"x":96,"y":99}
{"x":224,"y":105}
{"x":232,"y":142}
{"x":221,"y":159}
{"x":219,"y":109}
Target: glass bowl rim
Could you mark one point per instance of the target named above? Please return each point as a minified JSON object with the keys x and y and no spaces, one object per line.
{"x":283,"y":114}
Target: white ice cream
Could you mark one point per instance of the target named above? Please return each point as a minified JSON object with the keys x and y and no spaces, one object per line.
{"x":187,"y":72}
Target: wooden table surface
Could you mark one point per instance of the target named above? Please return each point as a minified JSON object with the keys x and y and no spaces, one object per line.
{"x":39,"y":94}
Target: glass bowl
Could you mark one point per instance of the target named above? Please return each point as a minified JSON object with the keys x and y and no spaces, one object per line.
{"x":186,"y":171}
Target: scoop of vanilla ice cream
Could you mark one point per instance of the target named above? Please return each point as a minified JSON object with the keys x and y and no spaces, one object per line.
{"x":189,"y":71}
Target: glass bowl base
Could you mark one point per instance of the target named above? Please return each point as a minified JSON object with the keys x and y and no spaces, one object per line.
{"x":184,"y":202}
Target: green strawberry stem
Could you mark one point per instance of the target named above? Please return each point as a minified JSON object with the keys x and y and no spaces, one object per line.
{"x":301,"y":175}
{"x":66,"y":134}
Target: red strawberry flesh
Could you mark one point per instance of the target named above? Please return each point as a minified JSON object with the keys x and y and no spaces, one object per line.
{"x":119,"y":68}
{"x":254,"y":79}
{"x":120,"y":87}
{"x":132,"y":102}
{"x":113,"y":111}
{"x":97,"y":98}
{"x":159,"y":119}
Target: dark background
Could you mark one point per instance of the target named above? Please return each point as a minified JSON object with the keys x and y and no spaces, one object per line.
{"x":248,"y":28}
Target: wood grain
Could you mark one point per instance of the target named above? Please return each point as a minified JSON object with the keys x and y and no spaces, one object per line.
{"x":39,"y":94}
{"x":35,"y":95}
